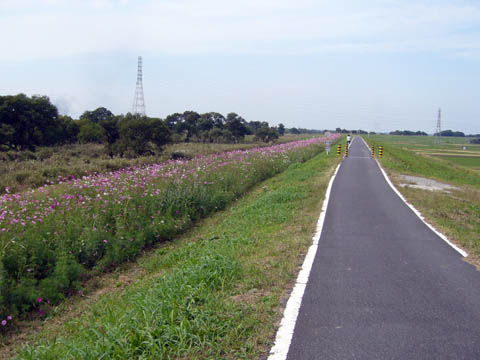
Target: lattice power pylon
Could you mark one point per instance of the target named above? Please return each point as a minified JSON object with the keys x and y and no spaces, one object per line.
{"x":139,"y":101}
{"x":438,"y":132}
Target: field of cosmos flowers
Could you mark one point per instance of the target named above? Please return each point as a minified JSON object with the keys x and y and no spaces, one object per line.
{"x":52,"y":237}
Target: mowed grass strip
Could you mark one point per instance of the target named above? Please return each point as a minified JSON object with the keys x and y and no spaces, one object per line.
{"x":468,"y":161}
{"x":456,"y":213}
{"x":215,"y":293}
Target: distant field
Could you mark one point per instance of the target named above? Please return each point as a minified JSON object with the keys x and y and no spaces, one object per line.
{"x":469,"y":161}
{"x":456,"y":150}
{"x":446,"y":141}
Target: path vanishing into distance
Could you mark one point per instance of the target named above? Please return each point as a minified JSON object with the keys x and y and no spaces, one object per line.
{"x":382,"y":285}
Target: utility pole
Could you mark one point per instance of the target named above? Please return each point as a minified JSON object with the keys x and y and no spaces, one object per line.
{"x":138,"y":101}
{"x":437,"y":137}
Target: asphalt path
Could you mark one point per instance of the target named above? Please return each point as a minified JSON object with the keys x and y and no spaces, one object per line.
{"x":383,"y":285}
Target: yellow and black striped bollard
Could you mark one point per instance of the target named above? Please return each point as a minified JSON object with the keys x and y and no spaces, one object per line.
{"x":373,"y":151}
{"x":380,"y":151}
{"x":339,"y":149}
{"x":346,"y":150}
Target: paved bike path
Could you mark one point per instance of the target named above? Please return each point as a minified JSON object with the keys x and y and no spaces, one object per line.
{"x":383,"y":285}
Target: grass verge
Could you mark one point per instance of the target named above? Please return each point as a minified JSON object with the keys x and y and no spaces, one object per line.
{"x":457,"y":213}
{"x":215,"y":292}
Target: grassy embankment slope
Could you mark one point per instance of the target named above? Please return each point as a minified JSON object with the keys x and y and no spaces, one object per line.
{"x":213,"y":293}
{"x":457,"y":213}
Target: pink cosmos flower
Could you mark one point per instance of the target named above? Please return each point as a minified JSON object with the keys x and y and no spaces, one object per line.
{"x":4,"y":322}
{"x":9,"y":317}
{"x":39,"y":300}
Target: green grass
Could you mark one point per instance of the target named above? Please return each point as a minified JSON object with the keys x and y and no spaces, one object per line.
{"x":429,"y":141}
{"x":426,"y":144}
{"x":468,"y":161}
{"x":397,"y":158}
{"x":212,"y":294}
{"x":456,"y":214}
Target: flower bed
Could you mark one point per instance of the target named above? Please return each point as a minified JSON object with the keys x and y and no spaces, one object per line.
{"x":52,"y":236}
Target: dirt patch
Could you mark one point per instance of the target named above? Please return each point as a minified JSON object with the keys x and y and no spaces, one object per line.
{"x":421,"y":183}
{"x":250,"y":296}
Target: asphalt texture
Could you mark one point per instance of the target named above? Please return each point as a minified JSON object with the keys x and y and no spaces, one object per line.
{"x":384,"y":286}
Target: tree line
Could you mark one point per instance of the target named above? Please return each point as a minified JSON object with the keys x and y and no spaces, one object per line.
{"x":28,"y":122}
{"x":408,"y":133}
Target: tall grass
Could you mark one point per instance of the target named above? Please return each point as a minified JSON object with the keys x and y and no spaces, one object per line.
{"x":158,"y":320}
{"x":213,"y":294}
{"x":51,"y":236}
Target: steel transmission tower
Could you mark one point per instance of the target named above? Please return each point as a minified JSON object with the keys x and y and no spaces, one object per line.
{"x":438,"y":132}
{"x":139,"y":101}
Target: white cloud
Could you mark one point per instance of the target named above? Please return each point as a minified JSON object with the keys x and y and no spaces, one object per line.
{"x":54,"y":28}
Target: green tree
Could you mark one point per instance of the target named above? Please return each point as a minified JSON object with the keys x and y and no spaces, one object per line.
{"x":160,"y":135}
{"x":205,"y":123}
{"x":218,"y":119}
{"x":237,"y":126}
{"x":189,"y":125}
{"x":90,"y":132}
{"x":141,"y":135}
{"x":70,"y":129}
{"x":110,"y":131}
{"x":7,"y":135}
{"x":266,"y":134}
{"x":98,"y":115}
{"x":281,"y":129}
{"x":172,"y":121}
{"x":255,"y":125}
{"x":30,"y":118}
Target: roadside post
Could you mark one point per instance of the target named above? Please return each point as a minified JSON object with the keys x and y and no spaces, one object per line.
{"x":327,"y":146}
{"x":339,"y":149}
{"x":346,"y":150}
{"x":380,"y":151}
{"x":373,"y":151}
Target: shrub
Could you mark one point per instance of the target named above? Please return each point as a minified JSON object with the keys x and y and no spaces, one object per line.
{"x":141,"y":135}
{"x":178,"y":155}
{"x":90,"y":132}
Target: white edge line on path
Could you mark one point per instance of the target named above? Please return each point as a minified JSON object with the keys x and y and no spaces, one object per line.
{"x":418,"y":213}
{"x":285,"y":333}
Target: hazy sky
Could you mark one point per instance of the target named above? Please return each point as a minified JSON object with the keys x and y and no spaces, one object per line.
{"x":375,"y":65}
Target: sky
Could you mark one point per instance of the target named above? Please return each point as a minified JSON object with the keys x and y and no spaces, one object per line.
{"x":376,"y":65}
